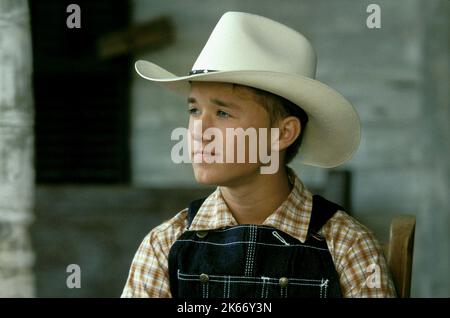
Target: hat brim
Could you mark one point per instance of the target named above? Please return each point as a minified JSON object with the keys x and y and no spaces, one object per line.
{"x":332,"y":134}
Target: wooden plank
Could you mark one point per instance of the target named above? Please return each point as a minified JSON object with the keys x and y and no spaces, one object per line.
{"x":399,"y":253}
{"x":152,"y":35}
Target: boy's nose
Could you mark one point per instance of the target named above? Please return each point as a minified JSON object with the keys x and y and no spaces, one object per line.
{"x":199,"y":127}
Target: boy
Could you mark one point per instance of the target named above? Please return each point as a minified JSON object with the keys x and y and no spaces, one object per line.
{"x":260,"y":234}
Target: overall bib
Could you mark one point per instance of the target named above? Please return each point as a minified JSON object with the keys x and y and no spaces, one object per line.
{"x":254,"y":261}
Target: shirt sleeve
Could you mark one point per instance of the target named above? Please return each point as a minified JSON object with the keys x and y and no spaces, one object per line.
{"x":364,"y":272}
{"x":148,"y":276}
{"x":359,"y":259}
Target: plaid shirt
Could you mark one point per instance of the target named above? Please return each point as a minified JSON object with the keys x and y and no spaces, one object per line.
{"x":356,"y":253}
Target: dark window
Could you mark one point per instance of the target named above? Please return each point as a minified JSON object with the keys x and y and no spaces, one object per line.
{"x":81,"y":101}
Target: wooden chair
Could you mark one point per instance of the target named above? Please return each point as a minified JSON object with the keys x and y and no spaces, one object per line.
{"x":399,"y":252}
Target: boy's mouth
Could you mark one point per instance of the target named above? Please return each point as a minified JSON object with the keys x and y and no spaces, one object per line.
{"x":202,"y":155}
{"x":203,"y":152}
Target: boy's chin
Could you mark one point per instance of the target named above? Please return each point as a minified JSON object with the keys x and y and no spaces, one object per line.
{"x":210,"y":175}
{"x":222,"y":174}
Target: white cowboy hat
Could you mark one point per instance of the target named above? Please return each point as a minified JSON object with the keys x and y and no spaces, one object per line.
{"x":255,"y":51}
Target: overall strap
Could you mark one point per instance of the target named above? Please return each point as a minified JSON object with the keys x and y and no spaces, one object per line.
{"x":193,"y":208}
{"x":322,"y":211}
{"x":173,"y":261}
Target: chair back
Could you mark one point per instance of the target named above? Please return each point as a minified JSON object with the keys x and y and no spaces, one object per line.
{"x":399,"y":252}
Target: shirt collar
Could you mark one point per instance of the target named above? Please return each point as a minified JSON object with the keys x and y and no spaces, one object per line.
{"x":291,"y":217}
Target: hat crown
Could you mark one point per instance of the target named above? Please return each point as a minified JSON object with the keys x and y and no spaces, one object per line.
{"x":243,"y":41}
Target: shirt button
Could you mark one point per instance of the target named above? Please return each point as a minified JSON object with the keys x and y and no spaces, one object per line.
{"x":201,"y":234}
{"x":283,"y":281}
{"x":204,"y":278}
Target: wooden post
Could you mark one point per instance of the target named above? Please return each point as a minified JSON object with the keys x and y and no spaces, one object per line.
{"x":16,"y":150}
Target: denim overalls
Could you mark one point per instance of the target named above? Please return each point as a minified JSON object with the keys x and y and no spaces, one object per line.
{"x":254,"y":261}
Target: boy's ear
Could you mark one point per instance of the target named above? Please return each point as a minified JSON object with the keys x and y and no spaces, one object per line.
{"x":290,"y":129}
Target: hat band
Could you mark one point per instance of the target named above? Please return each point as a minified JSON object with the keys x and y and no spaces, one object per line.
{"x":195,"y":72}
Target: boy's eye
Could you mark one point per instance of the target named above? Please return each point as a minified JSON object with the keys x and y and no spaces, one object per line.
{"x":193,"y":111}
{"x":222,"y":114}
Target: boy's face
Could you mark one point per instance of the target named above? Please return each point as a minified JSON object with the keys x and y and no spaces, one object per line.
{"x":222,"y":106}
